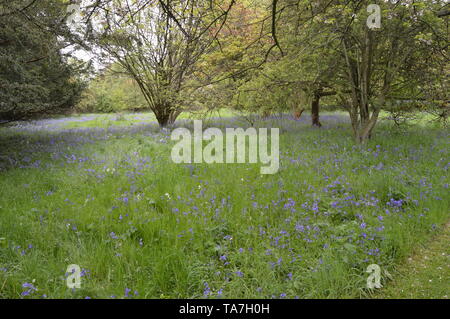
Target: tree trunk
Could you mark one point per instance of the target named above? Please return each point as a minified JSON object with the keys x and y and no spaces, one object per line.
{"x":163,"y":120}
{"x":315,"y":107}
{"x":363,"y":129}
{"x":173,"y":116}
{"x":166,"y":118}
{"x":298,"y":114}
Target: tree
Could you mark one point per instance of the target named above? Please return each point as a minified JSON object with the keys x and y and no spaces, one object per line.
{"x":296,"y":75}
{"x":35,"y":76}
{"x":238,"y":48}
{"x":159,"y":43}
{"x":367,"y":68}
{"x":381,"y":66}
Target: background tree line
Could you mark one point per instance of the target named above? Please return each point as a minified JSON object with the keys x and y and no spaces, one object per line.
{"x":255,"y":56}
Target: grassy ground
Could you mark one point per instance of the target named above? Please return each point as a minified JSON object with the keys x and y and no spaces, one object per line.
{"x":124,"y":119}
{"x":109,"y":199}
{"x":424,"y":275}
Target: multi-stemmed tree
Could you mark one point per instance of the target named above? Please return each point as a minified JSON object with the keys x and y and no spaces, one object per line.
{"x":329,"y":48}
{"x":380,"y":66}
{"x":159,"y":43}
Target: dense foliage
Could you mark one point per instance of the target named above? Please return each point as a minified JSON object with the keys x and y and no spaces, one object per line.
{"x":112,"y":91}
{"x":329,"y":50}
{"x":35,"y":76}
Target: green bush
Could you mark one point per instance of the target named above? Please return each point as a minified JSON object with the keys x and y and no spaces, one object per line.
{"x":111,"y":93}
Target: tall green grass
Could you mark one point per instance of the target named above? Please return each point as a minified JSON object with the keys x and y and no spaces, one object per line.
{"x":134,"y":220}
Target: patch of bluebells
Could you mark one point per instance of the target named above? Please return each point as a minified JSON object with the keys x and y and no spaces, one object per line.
{"x":30,"y":289}
{"x":304,"y":212}
{"x":23,"y":251}
{"x":129,"y":293}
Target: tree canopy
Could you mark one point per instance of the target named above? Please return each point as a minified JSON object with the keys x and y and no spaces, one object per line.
{"x":35,"y":75}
